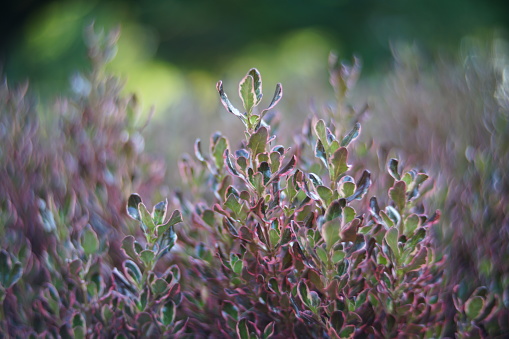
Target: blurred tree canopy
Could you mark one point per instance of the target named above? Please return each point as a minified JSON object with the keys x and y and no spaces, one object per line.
{"x":42,"y":40}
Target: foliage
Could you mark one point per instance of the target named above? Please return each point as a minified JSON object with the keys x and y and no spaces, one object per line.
{"x":268,"y":241}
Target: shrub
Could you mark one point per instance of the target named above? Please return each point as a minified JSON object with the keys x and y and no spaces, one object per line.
{"x":271,"y":241}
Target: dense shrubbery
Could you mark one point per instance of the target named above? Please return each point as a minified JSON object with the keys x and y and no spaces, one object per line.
{"x":271,"y":241}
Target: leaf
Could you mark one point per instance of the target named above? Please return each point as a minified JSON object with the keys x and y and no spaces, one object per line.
{"x":258,"y":141}
{"x":337,"y":320}
{"x":247,"y":93}
{"x":391,"y":237}
{"x":278,"y":94}
{"x":264,"y":169}
{"x":349,"y":233}
{"x":335,"y":209}
{"x":146,"y":218}
{"x":392,"y":167}
{"x":168,"y":313}
{"x":337,"y":256}
{"x":322,"y":254}
{"x":338,"y":162}
{"x":242,"y":330}
{"x":15,"y":275}
{"x":132,"y":206}
{"x":397,"y":194}
{"x":330,"y":232}
{"x":362,"y":186}
{"x":418,"y":261}
{"x":133,"y":271}
{"x":347,"y":331}
{"x":274,"y":237}
{"x":304,"y":294}
{"x":159,"y":286}
{"x":321,"y":132}
{"x":147,"y":256}
{"x":218,"y":149}
{"x":348,"y":214}
{"x":197,"y":151}
{"x":128,"y":247}
{"x":352,"y":135}
{"x":159,"y":212}
{"x":347,"y":189}
{"x":257,"y":84}
{"x":320,"y":153}
{"x":226,"y":103}
{"x":412,"y":222}
{"x":89,"y":241}
{"x":325,"y":194}
{"x":268,"y":331}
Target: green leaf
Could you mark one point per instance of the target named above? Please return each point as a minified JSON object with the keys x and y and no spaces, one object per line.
{"x":132,"y":206}
{"x":218,"y":149}
{"x":264,"y":169}
{"x":320,"y":153}
{"x":347,"y":331}
{"x":325,"y":194}
{"x":362,"y":186}
{"x":474,"y":307}
{"x":128,"y":247}
{"x":274,"y":237}
{"x":321,"y":132}
{"x":352,"y":135}
{"x":15,"y":275}
{"x":146,"y":218}
{"x":257,"y":84}
{"x":347,"y":188}
{"x":348,"y":214}
{"x":159,"y":212}
{"x":412,"y":222}
{"x":159,"y":286}
{"x":338,"y":162}
{"x":335,"y":209}
{"x":337,"y":320}
{"x":330,"y":232}
{"x":391,"y":237}
{"x":175,"y":218}
{"x":227,"y":104}
{"x":337,"y":256}
{"x":242,"y":330}
{"x":268,"y":331}
{"x":258,"y":141}
{"x":304,"y":294}
{"x":89,"y":241}
{"x":133,"y":271}
{"x":237,"y":266}
{"x":247,"y":93}
{"x":398,"y":194}
{"x":147,"y":257}
{"x":393,"y":169}
{"x":168,"y":313}
{"x":418,"y":261}
{"x":322,"y":254}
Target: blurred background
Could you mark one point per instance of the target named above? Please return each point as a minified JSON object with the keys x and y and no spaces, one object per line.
{"x":172,"y":52}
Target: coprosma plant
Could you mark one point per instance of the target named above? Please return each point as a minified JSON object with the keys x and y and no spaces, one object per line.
{"x":292,"y":247}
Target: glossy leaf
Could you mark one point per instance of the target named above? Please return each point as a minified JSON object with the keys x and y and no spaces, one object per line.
{"x":278,"y":94}
{"x":159,"y":212}
{"x":398,"y":194}
{"x":132,"y":206}
{"x":226,"y":102}
{"x":168,"y":313}
{"x":352,"y":135}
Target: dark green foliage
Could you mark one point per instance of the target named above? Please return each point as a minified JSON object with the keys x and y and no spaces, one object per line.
{"x":288,"y":242}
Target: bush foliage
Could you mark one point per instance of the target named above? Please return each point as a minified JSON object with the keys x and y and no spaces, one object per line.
{"x":267,"y":241}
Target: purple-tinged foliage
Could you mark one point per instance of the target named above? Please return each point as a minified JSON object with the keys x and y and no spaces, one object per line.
{"x":268,"y":242}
